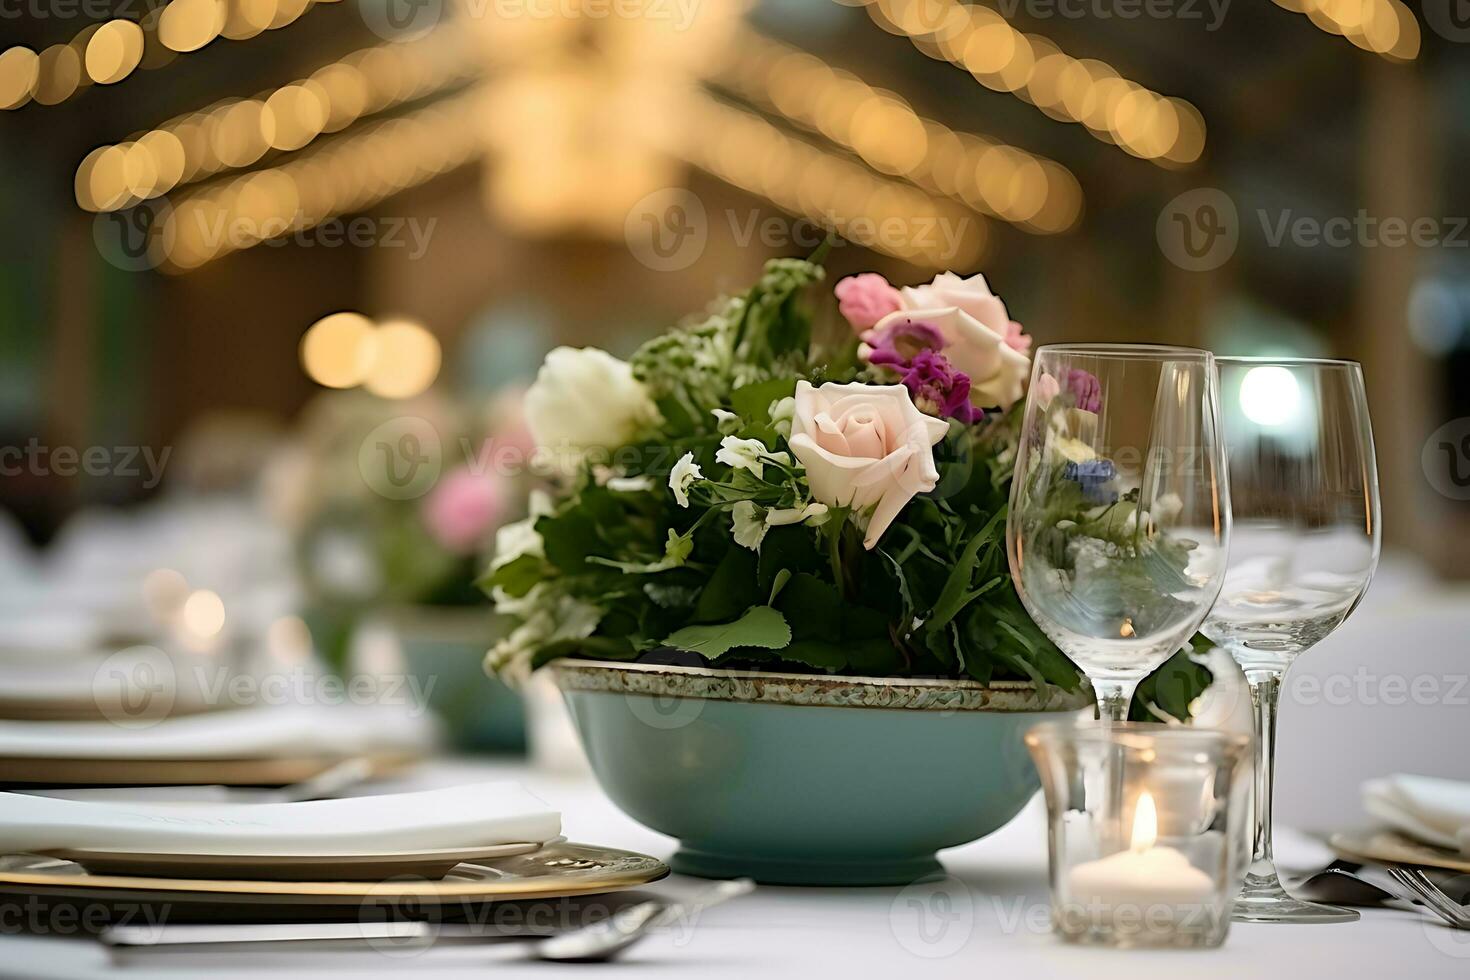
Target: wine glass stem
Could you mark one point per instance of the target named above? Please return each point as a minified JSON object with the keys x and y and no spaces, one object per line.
{"x":1113,"y":698}
{"x":1265,"y":689}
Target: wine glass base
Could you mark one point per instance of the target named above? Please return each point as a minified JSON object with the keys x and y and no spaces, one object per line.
{"x":1262,"y":899}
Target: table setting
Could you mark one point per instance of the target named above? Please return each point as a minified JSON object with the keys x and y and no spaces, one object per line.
{"x":888,"y":635}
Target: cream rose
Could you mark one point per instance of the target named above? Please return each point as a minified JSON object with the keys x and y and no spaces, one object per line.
{"x":865,"y":446}
{"x":586,"y":399}
{"x":980,"y":337}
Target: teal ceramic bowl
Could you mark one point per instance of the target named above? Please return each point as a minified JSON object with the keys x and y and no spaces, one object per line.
{"x":803,"y":780}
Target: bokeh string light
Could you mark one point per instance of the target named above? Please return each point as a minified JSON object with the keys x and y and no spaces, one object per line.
{"x":107,"y":53}
{"x":744,"y":150}
{"x":1384,"y":27}
{"x":1168,"y":131}
{"x":345,"y":173}
{"x":236,"y":133}
{"x":395,"y":359}
{"x":1030,"y":191}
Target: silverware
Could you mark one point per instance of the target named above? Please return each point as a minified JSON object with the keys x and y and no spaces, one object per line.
{"x":1431,"y":897}
{"x":329,"y":782}
{"x":606,"y":939}
{"x":602,"y":940}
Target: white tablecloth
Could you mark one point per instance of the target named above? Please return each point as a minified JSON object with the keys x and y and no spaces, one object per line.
{"x":987,"y":921}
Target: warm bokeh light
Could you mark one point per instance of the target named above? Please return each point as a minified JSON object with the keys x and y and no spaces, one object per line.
{"x":114,"y":51}
{"x":19,"y":72}
{"x":339,"y":350}
{"x":188,"y":25}
{"x":165,"y":591}
{"x":406,"y":360}
{"x":203,"y":614}
{"x":1084,"y":91}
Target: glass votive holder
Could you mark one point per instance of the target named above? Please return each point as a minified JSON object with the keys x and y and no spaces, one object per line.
{"x":1148,"y":830}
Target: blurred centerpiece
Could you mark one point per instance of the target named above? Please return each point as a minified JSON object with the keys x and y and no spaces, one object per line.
{"x":394,"y":504}
{"x":759,"y":500}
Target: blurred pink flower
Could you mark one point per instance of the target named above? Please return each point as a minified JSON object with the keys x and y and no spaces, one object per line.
{"x":465,"y":507}
{"x":865,"y":299}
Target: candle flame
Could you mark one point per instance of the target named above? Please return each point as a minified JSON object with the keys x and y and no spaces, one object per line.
{"x":1145,"y":823}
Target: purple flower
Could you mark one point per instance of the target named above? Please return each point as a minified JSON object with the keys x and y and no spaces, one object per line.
{"x":937,"y":388}
{"x":898,"y":343}
{"x":1085,"y":388}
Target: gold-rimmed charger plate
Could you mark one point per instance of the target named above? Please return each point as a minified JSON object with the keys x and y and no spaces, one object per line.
{"x":182,"y":772}
{"x":259,"y":867}
{"x":1388,"y":847}
{"x":558,"y":870}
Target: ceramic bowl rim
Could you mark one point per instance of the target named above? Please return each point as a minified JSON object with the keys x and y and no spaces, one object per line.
{"x":813,"y":690}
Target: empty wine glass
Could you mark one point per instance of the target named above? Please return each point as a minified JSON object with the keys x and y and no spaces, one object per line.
{"x":1304,"y":489}
{"x":1120,"y":512}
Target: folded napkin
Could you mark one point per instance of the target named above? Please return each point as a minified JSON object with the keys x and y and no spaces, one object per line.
{"x":242,"y":733}
{"x":461,"y":817}
{"x":1436,"y":811}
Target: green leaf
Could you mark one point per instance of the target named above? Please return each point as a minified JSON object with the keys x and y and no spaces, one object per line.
{"x":730,"y":589}
{"x":782,"y":577}
{"x":753,"y":401}
{"x":955,"y":595}
{"x":761,"y":626}
{"x":569,"y":539}
{"x":517,"y":576}
{"x":814,"y":606}
{"x":822,"y":654}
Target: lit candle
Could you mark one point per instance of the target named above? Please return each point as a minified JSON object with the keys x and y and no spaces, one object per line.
{"x":1143,"y":877}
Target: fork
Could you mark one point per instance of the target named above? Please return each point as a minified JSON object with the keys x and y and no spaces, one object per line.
{"x":1433,"y":898}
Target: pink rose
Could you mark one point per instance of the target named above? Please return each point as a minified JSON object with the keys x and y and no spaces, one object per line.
{"x":865,"y":446}
{"x":464,"y":508}
{"x":865,"y":299}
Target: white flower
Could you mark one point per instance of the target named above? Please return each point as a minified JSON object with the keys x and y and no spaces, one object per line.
{"x":813,"y":513}
{"x":682,"y":476}
{"x":548,"y":616}
{"x":520,"y":537}
{"x":865,"y":446}
{"x":749,"y":524}
{"x":748,"y":454}
{"x":782,"y":411}
{"x":586,"y":399}
{"x":726,"y":422}
{"x":630,"y":484}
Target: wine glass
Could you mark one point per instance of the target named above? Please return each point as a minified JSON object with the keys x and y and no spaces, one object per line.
{"x":1120,"y":512}
{"x":1304,"y":488}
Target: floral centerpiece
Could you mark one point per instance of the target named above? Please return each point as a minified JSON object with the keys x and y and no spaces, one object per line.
{"x":760,"y":490}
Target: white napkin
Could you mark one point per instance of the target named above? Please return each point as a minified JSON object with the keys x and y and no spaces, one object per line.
{"x":244,"y":733}
{"x":1436,"y":811}
{"x":461,"y":817}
